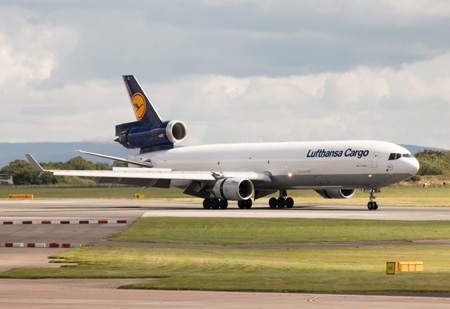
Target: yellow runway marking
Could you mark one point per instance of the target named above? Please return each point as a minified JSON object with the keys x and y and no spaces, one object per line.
{"x":313,"y":300}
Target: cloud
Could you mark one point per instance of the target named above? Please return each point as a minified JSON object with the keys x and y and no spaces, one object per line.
{"x":366,"y":103}
{"x":162,"y":40}
{"x":30,"y":50}
{"x":233,"y":71}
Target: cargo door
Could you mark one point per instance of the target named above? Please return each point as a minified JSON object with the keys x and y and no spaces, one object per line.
{"x":375,"y":159}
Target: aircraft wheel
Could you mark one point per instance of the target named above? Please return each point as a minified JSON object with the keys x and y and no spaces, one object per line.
{"x":375,"y":206}
{"x":370,"y":205}
{"x":273,"y":202}
{"x":248,"y":204}
{"x":223,"y":204}
{"x":281,"y":202}
{"x":215,"y":203}
{"x":207,"y":203}
{"x":289,"y":202}
{"x":241,"y":204}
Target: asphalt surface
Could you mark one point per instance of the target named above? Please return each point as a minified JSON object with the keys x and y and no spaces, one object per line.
{"x":94,"y":293}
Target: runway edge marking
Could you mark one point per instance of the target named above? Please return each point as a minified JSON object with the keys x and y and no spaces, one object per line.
{"x":18,"y":222}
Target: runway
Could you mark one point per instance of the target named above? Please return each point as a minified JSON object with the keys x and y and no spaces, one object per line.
{"x":132,"y":209}
{"x":102,"y":293}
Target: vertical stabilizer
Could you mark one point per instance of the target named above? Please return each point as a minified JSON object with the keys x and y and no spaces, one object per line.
{"x":149,"y":132}
{"x":142,"y":106}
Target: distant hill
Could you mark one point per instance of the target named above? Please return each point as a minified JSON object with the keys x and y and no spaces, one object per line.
{"x":60,"y":152}
{"x":415,"y":149}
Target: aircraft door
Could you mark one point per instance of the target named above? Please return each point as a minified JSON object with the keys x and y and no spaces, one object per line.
{"x":375,"y":159}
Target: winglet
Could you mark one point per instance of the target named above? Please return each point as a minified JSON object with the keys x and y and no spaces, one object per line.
{"x":36,"y":166}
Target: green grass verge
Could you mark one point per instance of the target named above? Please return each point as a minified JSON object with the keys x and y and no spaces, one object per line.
{"x":433,"y":196}
{"x":337,"y":270}
{"x":225,"y":231}
{"x":88,"y":192}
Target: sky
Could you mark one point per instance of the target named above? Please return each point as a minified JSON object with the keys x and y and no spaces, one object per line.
{"x":232,"y":71}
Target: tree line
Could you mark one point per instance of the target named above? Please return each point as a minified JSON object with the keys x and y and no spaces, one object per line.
{"x":433,"y":162}
{"x":24,"y":174}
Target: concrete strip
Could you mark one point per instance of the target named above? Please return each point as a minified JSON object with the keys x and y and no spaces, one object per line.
{"x":102,"y":293}
{"x":317,"y":212}
{"x":27,"y":258}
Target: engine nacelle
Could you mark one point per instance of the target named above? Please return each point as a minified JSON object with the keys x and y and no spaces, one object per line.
{"x":233,"y":189}
{"x":163,"y":135}
{"x":336,"y":193}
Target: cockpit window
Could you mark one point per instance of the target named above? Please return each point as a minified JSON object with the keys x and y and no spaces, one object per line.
{"x":396,"y":156}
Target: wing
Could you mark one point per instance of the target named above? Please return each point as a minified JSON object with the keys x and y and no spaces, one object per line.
{"x":143,"y":176}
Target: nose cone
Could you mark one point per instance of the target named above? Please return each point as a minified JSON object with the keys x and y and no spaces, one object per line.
{"x":413,"y":167}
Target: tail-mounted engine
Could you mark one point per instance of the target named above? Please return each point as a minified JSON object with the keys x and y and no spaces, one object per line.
{"x":150,"y":138}
{"x":336,"y":193}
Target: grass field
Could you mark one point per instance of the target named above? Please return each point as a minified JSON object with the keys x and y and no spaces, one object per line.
{"x":87,"y":192}
{"x":225,"y":231}
{"x":433,"y":196}
{"x":340,"y":270}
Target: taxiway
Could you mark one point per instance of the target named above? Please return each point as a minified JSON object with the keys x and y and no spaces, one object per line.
{"x":52,"y":293}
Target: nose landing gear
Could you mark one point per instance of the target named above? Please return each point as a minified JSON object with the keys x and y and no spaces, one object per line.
{"x":372,"y":205}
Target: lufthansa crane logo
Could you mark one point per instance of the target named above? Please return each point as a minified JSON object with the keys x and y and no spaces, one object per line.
{"x":139,"y":105}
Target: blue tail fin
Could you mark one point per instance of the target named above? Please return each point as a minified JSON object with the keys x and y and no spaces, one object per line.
{"x":148,"y":133}
{"x":142,"y":106}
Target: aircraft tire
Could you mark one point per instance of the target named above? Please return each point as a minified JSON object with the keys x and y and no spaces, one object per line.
{"x":289,"y":202}
{"x":281,"y":202}
{"x":223,"y":204}
{"x":370,"y":205}
{"x":241,"y":204}
{"x":375,"y":206}
{"x":273,"y":202}
{"x":215,"y":204}
{"x":248,"y":204}
{"x":206,"y":203}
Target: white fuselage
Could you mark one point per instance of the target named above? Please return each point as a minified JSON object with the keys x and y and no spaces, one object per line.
{"x":297,"y":165}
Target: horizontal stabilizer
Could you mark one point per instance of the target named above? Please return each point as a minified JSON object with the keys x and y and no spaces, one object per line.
{"x":138,"y":163}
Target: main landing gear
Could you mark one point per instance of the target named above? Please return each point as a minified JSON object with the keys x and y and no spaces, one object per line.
{"x":223,"y":204}
{"x":282,"y":201}
{"x":372,"y":205}
{"x":246,"y":204}
{"x":215,"y":204}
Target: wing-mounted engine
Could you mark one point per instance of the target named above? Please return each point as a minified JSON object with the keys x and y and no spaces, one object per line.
{"x":336,"y":193}
{"x":237,"y":189}
{"x":150,"y":138}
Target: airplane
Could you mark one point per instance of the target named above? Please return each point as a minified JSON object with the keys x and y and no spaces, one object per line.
{"x":237,"y":172}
